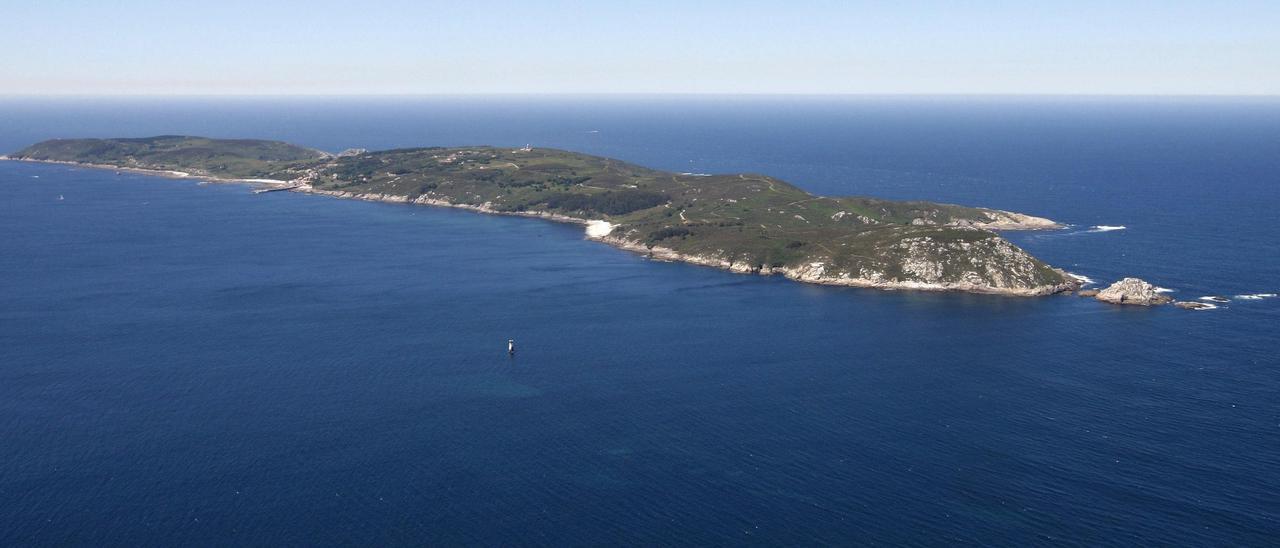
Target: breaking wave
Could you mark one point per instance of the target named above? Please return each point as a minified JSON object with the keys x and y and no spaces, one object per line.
{"x":1084,"y":280}
{"x":1256,"y":296}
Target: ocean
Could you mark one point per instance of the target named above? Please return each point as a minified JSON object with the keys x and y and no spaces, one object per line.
{"x":187,"y":364}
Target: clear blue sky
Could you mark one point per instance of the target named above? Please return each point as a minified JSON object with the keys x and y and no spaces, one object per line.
{"x":501,"y":46}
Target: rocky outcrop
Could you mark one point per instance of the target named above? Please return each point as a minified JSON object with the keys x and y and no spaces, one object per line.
{"x":966,"y":260}
{"x":991,"y":265}
{"x":1132,"y":291}
{"x":1008,"y":220}
{"x":1192,"y":305}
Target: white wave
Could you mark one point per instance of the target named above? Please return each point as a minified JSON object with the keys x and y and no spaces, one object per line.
{"x":1256,"y":296}
{"x":1084,"y":280}
{"x":696,"y":174}
{"x":1215,"y":299}
{"x":1106,"y":228}
{"x":1205,"y":306}
{"x":1164,"y":290}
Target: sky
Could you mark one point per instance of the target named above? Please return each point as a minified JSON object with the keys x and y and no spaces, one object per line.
{"x":267,"y":47}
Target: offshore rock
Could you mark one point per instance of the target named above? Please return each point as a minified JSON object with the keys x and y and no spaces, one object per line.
{"x":1132,"y":291}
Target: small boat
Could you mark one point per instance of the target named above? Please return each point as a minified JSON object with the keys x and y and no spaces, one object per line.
{"x":60,"y":198}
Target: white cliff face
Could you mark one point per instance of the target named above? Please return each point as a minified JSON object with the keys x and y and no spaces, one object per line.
{"x":1132,"y":291}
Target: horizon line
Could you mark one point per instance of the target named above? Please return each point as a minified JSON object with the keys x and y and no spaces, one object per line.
{"x":148,"y":95}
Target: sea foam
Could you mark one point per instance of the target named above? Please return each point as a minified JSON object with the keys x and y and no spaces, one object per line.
{"x":1256,"y":296}
{"x":1084,"y":280}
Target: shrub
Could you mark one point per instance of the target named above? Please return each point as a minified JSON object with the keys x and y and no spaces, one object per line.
{"x":610,"y":203}
{"x":669,"y":232}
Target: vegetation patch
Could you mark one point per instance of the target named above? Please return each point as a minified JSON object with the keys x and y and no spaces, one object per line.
{"x":669,"y":232}
{"x":610,"y":202}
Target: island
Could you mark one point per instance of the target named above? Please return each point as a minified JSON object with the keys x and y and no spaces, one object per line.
{"x":745,"y":223}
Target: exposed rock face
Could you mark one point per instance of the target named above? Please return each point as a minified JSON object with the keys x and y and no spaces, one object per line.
{"x":1132,"y":291}
{"x":987,"y":265}
{"x":977,"y":264}
{"x":1008,"y":220}
{"x":1089,"y":293}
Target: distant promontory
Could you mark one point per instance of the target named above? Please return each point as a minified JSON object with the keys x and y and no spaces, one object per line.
{"x":745,"y":223}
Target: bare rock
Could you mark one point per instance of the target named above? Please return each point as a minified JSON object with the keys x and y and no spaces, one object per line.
{"x":1192,"y":305}
{"x":1008,"y":220}
{"x":1132,"y":291}
{"x":1088,"y":293}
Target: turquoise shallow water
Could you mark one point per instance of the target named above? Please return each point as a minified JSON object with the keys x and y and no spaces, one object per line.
{"x":186,"y":364}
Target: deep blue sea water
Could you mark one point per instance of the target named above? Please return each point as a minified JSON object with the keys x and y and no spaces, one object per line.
{"x":194,"y":364}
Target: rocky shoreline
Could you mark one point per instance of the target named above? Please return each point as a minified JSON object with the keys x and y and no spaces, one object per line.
{"x":816,"y":273}
{"x":168,"y":174}
{"x":810,"y":274}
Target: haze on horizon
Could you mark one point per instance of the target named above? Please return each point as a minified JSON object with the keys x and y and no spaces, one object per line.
{"x":269,"y":47}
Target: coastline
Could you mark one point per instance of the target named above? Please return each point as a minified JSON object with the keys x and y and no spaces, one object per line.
{"x":168,"y":174}
{"x":812,"y":274}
